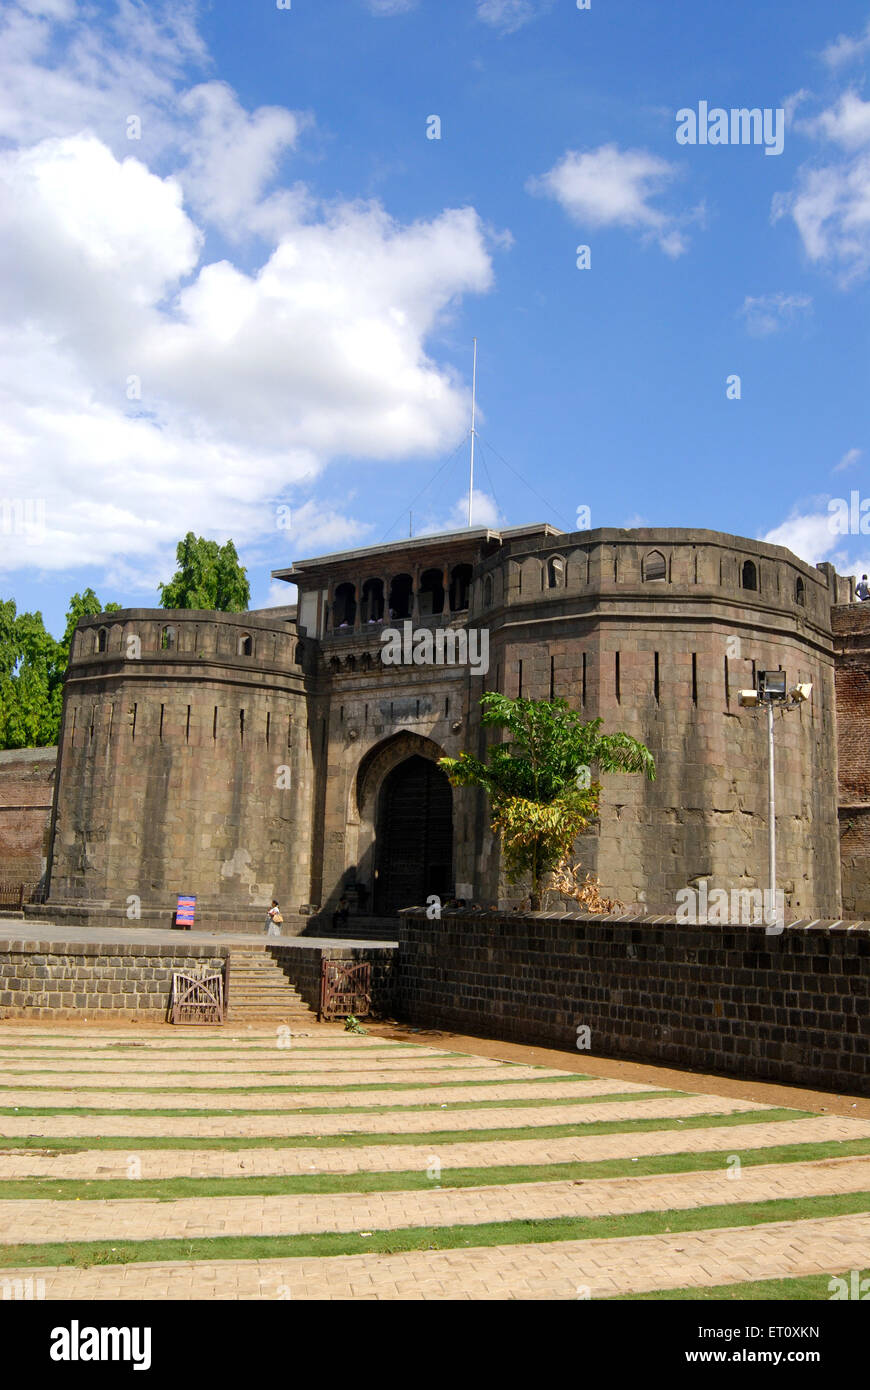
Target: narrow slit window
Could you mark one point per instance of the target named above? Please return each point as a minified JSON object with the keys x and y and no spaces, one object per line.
{"x":162,"y":713}
{"x":187,"y":730}
{"x":618,"y":686}
{"x":694,"y":678}
{"x":214,"y":723}
{"x":520,"y":682}
{"x":656,"y":686}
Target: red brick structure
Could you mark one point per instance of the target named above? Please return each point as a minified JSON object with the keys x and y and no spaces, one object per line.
{"x":26,"y":794}
{"x":851,"y":626}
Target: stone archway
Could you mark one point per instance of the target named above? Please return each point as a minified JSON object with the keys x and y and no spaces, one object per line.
{"x":414,"y":836}
{"x":374,"y":791}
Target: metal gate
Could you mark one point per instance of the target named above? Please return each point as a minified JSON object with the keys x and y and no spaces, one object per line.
{"x":345,"y":989}
{"x":197,"y":996}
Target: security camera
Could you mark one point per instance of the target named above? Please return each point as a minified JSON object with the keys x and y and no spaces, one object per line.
{"x":748,"y":698}
{"x":801,"y":692}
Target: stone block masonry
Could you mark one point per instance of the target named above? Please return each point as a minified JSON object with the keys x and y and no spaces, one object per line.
{"x":791,"y":1008}
{"x":53,"y":979}
{"x":76,"y":979}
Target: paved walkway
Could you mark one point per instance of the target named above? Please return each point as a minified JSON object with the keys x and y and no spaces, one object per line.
{"x":397,"y":1158}
{"x":189,"y":1218}
{"x":558,"y":1270}
{"x":402,"y":1121}
{"x":439,"y":1090}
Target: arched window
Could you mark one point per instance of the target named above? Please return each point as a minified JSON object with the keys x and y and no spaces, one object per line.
{"x":103,"y":640}
{"x":487,"y":591}
{"x":431,"y":593}
{"x":460,"y":583}
{"x":169,"y":639}
{"x":654,"y":566}
{"x":800,"y":595}
{"x":555,"y":572}
{"x":749,"y":576}
{"x":372,"y":607}
{"x":400,"y":596}
{"x":335,"y":665}
{"x":246,"y":645}
{"x":344,"y":606}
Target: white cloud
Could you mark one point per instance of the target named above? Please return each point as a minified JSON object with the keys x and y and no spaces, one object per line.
{"x":149,"y":392}
{"x":831,"y":210}
{"x":810,"y":536}
{"x":847,"y":123}
{"x":389,"y":7}
{"x":507,"y":15}
{"x":484,"y":512}
{"x":846,"y":50}
{"x":768,"y":313}
{"x":609,"y":187}
{"x":849,"y":459}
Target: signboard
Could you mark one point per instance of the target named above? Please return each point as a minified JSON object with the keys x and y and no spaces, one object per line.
{"x":184,"y":913}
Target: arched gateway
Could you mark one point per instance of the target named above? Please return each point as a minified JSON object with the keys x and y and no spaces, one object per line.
{"x":414,"y":836}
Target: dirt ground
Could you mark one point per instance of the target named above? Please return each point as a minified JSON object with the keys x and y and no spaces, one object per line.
{"x":820,"y":1102}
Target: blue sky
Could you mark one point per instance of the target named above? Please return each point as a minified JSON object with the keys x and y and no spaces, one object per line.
{"x":267,"y":296}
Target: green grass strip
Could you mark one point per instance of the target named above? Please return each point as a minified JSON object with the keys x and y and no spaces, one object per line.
{"x":811,"y":1288}
{"x":140,"y":1143}
{"x":331,"y":1086}
{"x":87,"y":1253}
{"x":161,"y":1112}
{"x":410,"y":1180}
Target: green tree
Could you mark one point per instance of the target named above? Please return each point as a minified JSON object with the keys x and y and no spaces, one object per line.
{"x":209,"y":576}
{"x":539,"y":779}
{"x":32,"y":668}
{"x":85,"y":605}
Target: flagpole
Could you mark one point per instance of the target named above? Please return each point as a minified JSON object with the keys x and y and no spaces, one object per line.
{"x":473,"y":404}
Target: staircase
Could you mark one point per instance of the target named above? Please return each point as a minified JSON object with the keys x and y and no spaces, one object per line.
{"x":259,"y":989}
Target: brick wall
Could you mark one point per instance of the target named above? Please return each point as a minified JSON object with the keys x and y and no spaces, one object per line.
{"x":790,"y":1008}
{"x":851,"y":627}
{"x":75,"y":979}
{"x":26,"y":791}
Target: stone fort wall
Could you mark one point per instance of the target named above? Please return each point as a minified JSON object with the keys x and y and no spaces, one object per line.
{"x":791,"y":1008}
{"x":653,"y":631}
{"x":183,"y":766}
{"x":170,"y":754}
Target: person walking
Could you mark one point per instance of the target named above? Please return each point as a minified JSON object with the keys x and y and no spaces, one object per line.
{"x":273,"y":919}
{"x":862,"y":590}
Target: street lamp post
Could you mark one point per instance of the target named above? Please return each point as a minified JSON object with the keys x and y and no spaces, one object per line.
{"x":772,"y":689}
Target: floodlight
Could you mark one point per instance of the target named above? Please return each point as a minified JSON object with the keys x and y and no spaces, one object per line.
{"x":748,"y":697}
{"x":771,"y":684}
{"x":799,"y":693}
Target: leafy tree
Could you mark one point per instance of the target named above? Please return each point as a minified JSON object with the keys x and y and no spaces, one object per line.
{"x":32,"y":668}
{"x":209,"y":576}
{"x":539,"y":781}
{"x":85,"y":605}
